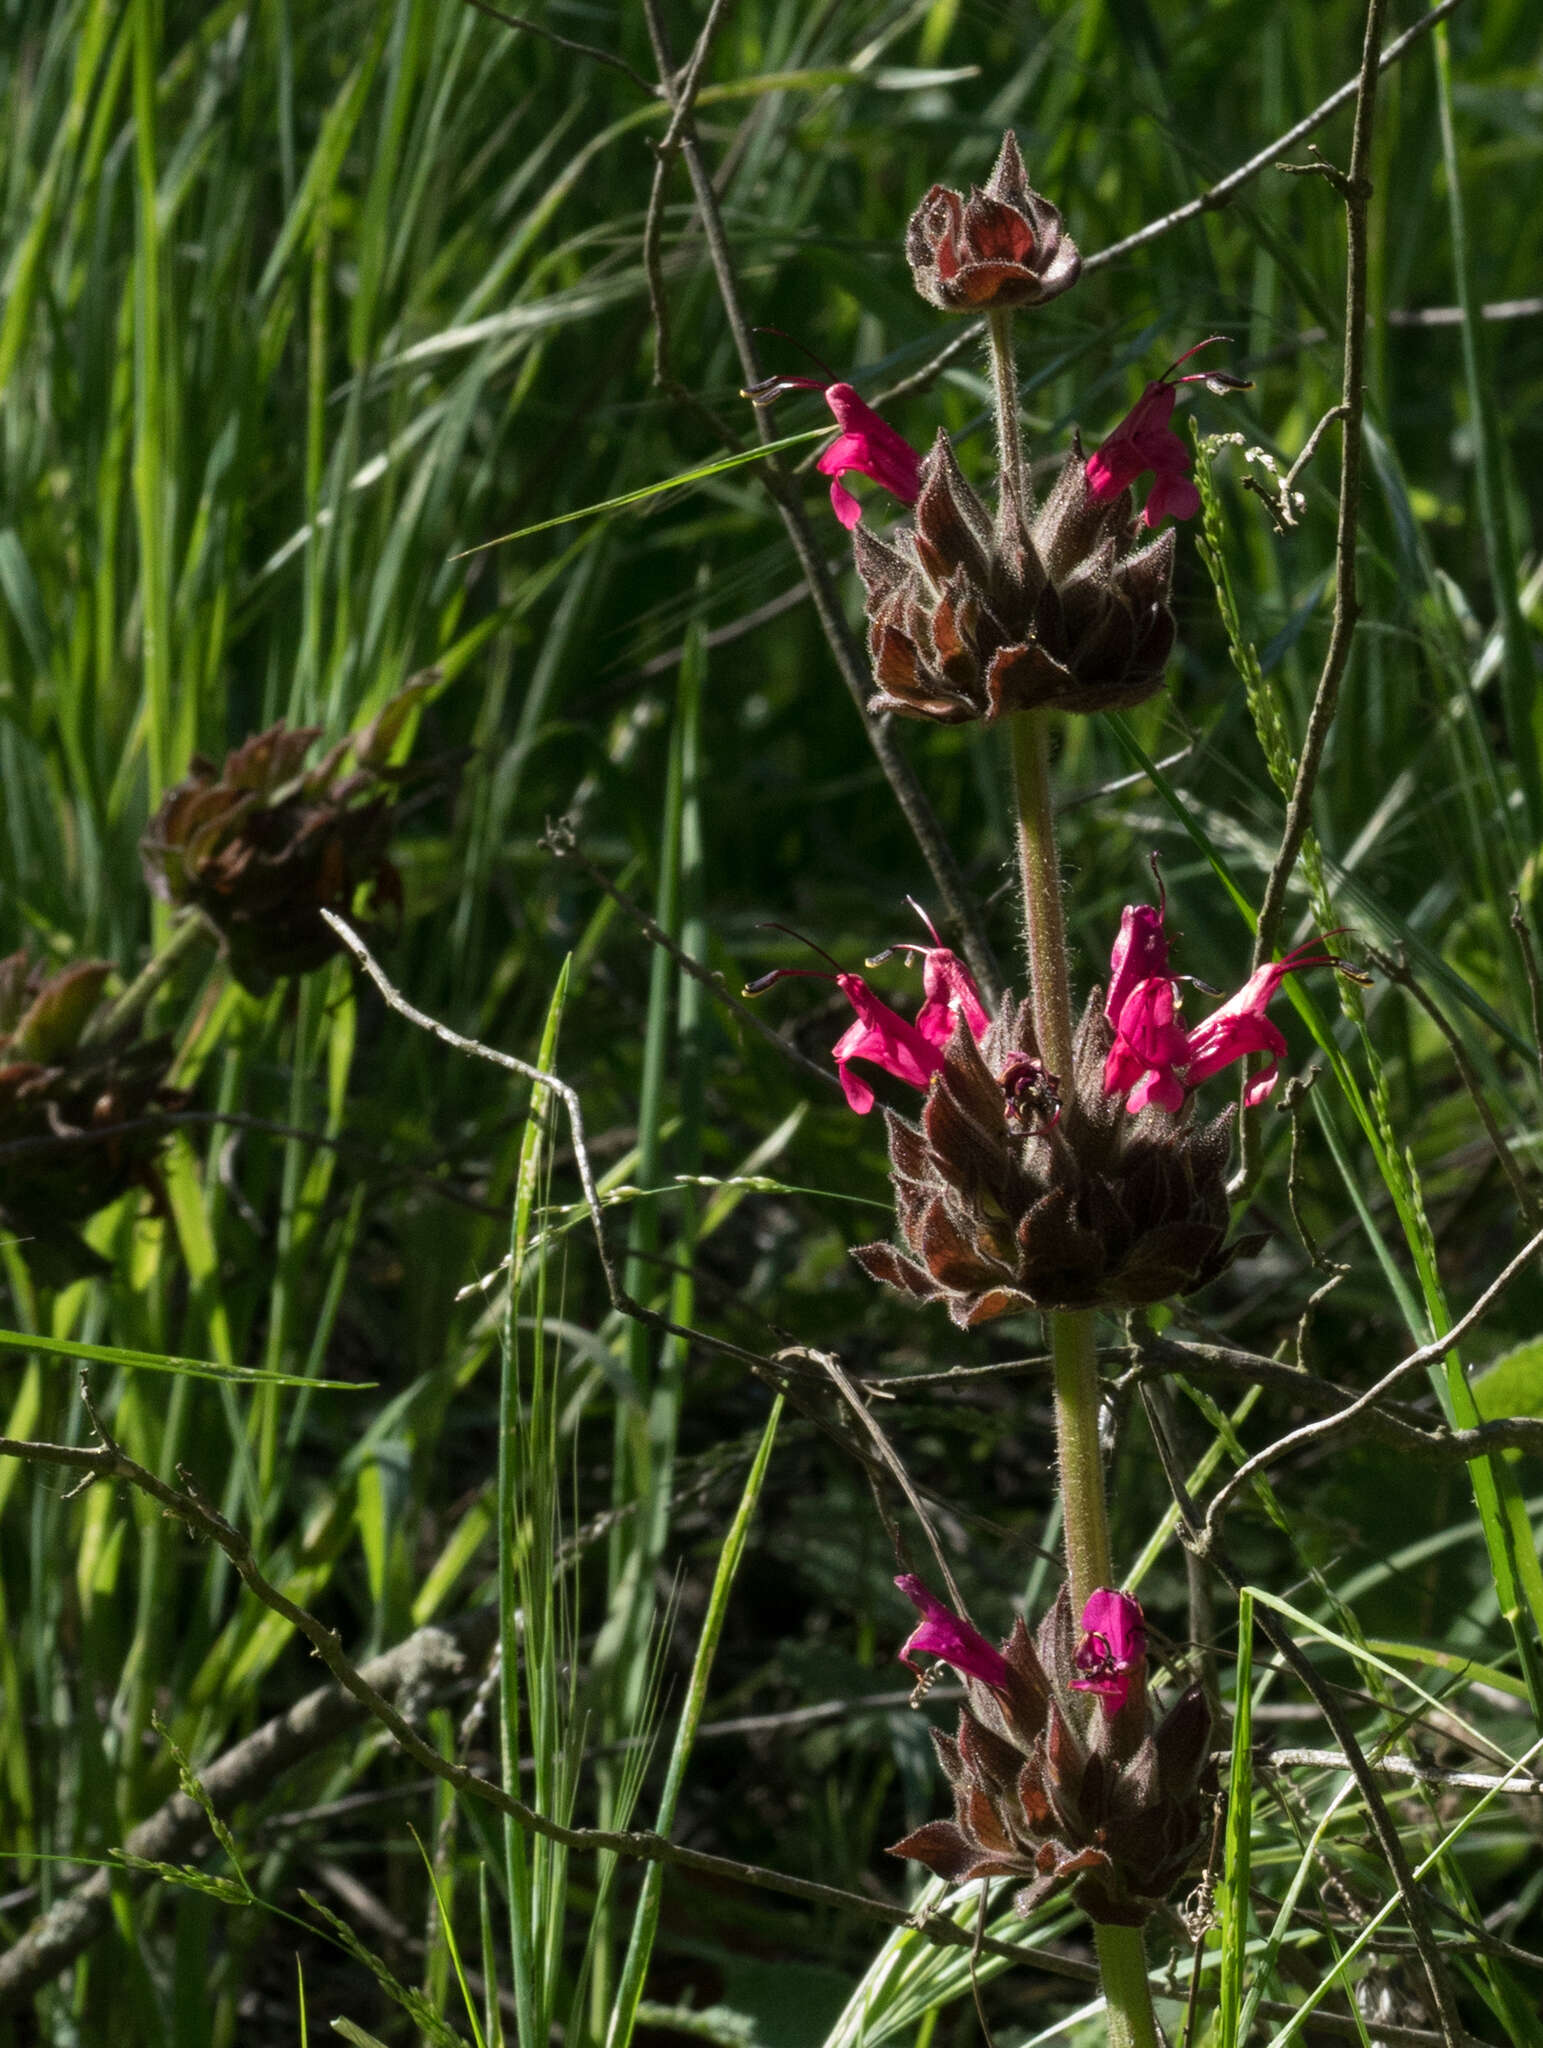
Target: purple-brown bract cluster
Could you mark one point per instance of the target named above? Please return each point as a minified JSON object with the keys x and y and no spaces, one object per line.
{"x":1053,"y":1790}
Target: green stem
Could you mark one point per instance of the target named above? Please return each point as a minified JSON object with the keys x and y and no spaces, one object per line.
{"x":1073,"y":1348}
{"x":1122,"y":1964}
{"x":1004,"y":377}
{"x":1040,"y":873}
{"x":1075,"y":1359}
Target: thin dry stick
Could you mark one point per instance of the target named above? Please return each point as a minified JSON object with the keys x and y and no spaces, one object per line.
{"x":1394,"y":1767}
{"x":623,"y":1302}
{"x":35,"y":1958}
{"x":1282,"y":502}
{"x":959,"y":911}
{"x":1397,"y":971}
{"x":561,"y":843}
{"x":1227,"y":189}
{"x":1354,"y":188}
{"x":1398,"y":1425}
{"x":423,"y":1668}
{"x":1315,"y":1432}
{"x":1203,"y":1541}
{"x":590,"y":50}
{"x":1530,"y":965}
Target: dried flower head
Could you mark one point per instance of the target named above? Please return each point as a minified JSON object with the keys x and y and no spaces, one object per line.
{"x":1003,"y":246}
{"x":263,"y":845}
{"x":1053,"y":1789}
{"x":999,"y":1212}
{"x":80,"y":1102}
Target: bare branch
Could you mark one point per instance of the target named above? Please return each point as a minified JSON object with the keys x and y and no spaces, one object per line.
{"x":75,"y":1921}
{"x":1530,"y":964}
{"x":1227,"y":189}
{"x":424,"y":1667}
{"x":1395,"y":1767}
{"x":1314,"y":1432}
{"x":1354,"y":187}
{"x":623,"y":1302}
{"x":961,"y":917}
{"x":550,"y":35}
{"x":562,"y":844}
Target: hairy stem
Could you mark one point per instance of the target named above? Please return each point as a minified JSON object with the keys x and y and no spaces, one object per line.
{"x":1004,"y":378}
{"x":1075,"y":1360}
{"x":1073,"y":1340}
{"x":1122,"y":1964}
{"x":1040,"y":873}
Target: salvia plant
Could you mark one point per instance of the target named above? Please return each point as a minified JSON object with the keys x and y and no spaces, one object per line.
{"x":1076,"y":1146}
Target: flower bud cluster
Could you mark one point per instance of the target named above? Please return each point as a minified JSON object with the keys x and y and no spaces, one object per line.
{"x":1051,"y":607}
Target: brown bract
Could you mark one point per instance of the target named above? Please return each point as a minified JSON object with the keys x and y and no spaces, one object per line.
{"x":1101,"y":1209}
{"x":1050,"y":1788}
{"x":970,"y":617}
{"x":1004,"y":246}
{"x":66,"y":1100}
{"x":263,"y":845}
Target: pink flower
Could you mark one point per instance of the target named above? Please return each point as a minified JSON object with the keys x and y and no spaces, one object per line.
{"x":1149,"y":1044}
{"x":1113,"y":1648}
{"x":869,"y":445}
{"x":1240,"y":1026}
{"x":866,"y":444}
{"x":944,"y":1634}
{"x":1140,"y":951}
{"x":881,"y":1036}
{"x":1145,"y":441}
{"x":1154,"y":1059}
{"x":947,"y":984}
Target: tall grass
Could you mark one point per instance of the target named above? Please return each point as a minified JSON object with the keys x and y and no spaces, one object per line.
{"x":300,"y":303}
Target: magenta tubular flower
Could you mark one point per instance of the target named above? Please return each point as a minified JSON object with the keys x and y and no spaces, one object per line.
{"x":869,"y":445}
{"x":1144,"y":441}
{"x":1140,"y":952}
{"x":943,"y":1634}
{"x":1141,"y":1007}
{"x":1113,"y":1648}
{"x":883,"y":1038}
{"x":1154,"y":1061}
{"x":948,"y":986}
{"x":1240,"y":1026}
{"x":913,"y":1053}
{"x":866,"y":444}
{"x":1150,"y":1050}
